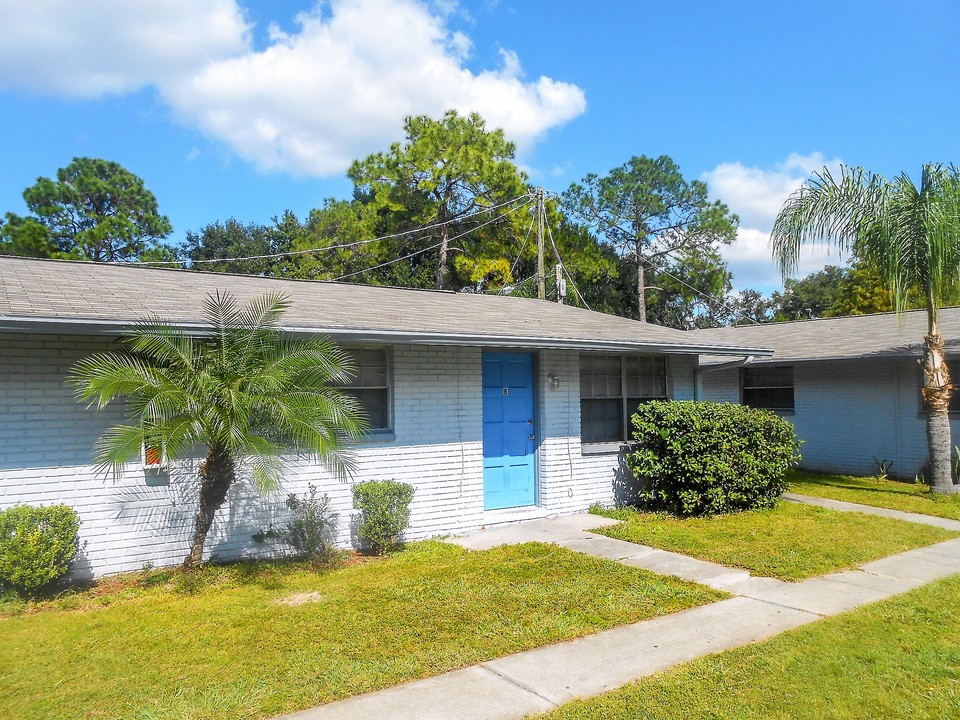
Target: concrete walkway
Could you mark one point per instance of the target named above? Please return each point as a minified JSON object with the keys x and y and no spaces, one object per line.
{"x":871,"y":510}
{"x":544,"y":678}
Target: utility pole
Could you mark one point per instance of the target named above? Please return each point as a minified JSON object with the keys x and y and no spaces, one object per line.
{"x":561,"y":283}
{"x":541,"y":275}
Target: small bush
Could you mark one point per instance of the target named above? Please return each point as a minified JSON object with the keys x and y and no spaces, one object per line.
{"x":313,"y":528}
{"x":37,"y":545}
{"x":702,"y":458}
{"x":385,"y":512}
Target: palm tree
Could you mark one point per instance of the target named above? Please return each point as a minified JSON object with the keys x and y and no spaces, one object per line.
{"x":241,"y":389}
{"x":911,"y":236}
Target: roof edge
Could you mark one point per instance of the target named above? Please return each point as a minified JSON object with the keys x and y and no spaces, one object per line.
{"x":56,"y":326}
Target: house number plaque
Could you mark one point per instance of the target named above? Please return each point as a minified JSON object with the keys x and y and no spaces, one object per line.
{"x":506,"y":391}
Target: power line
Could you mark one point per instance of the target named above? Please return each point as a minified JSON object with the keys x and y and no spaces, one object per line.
{"x":522,"y":247}
{"x":564,"y":268}
{"x":434,"y":247}
{"x":709,"y":298}
{"x":358,"y":243}
{"x":389,"y":262}
{"x":507,"y":289}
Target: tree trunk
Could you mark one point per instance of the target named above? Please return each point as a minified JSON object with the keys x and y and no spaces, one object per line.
{"x":641,"y":287}
{"x":936,"y":395}
{"x":444,"y":245}
{"x":217,"y":473}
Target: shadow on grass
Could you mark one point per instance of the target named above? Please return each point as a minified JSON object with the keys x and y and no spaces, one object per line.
{"x":870,"y":485}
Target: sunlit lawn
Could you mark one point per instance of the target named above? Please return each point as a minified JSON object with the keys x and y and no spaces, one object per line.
{"x":789,"y":542}
{"x":896,"y":659}
{"x":909,"y":497}
{"x":221,"y":646}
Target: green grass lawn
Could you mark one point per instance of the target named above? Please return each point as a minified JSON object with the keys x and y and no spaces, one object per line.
{"x":899,"y":658}
{"x":909,"y":497}
{"x":789,"y":542}
{"x":159,"y":646}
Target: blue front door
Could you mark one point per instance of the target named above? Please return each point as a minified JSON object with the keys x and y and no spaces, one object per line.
{"x":508,"y":431}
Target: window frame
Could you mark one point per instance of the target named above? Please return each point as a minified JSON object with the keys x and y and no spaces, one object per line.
{"x":386,"y":432}
{"x":624,"y":397}
{"x":744,"y":371}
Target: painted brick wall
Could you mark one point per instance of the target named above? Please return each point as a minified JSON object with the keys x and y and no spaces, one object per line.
{"x":850,"y":415}
{"x":570,"y":480}
{"x":142,"y":517}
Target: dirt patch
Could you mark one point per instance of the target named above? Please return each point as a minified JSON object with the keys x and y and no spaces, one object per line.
{"x":301,"y":598}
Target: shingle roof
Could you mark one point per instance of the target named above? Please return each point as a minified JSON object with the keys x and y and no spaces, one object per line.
{"x":857,"y":336}
{"x":82,"y":297}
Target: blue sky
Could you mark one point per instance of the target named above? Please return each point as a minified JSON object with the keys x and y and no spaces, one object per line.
{"x":234,"y":108}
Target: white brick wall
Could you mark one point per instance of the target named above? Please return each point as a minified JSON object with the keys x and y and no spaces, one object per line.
{"x":570,"y":480}
{"x":46,"y":440}
{"x":850,"y":414}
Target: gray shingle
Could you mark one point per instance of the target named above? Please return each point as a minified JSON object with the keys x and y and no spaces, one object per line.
{"x":885,"y":334}
{"x":68,"y":296}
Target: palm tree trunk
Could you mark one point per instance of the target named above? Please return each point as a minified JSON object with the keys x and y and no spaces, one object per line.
{"x":217,"y":473}
{"x":936,"y":395}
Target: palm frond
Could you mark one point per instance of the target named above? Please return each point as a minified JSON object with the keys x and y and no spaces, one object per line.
{"x":117,"y":446}
{"x":840,"y":213}
{"x":164,"y":343}
{"x":244,"y":389}
{"x":103,"y":377}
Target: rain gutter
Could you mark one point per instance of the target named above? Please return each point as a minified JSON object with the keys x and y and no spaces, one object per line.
{"x":701,"y":370}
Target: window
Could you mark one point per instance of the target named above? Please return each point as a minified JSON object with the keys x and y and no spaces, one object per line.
{"x":611,"y":389}
{"x":371,"y":385}
{"x":770,"y":388}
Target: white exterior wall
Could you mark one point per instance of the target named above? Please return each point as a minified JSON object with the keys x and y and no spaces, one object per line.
{"x":850,"y":414}
{"x":142,"y":517}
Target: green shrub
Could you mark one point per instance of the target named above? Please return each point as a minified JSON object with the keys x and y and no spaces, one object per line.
{"x":37,"y":545}
{"x":701,"y":458}
{"x":313,"y":528}
{"x":384,"y":507}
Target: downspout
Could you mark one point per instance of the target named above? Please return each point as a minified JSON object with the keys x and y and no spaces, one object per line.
{"x":701,"y":369}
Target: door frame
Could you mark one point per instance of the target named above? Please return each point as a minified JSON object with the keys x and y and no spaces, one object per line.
{"x":535,"y":399}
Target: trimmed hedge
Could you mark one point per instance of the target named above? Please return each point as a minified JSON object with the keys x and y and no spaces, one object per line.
{"x":703,"y":458}
{"x":37,"y":545}
{"x":384,"y":507}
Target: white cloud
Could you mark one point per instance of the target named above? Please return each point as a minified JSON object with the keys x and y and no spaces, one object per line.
{"x":756,"y":195}
{"x":88,"y":49}
{"x":309,"y":102}
{"x":340,"y":87}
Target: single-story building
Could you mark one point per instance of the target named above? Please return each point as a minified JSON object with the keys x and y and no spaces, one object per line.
{"x":851,"y":386}
{"x":494,"y":408}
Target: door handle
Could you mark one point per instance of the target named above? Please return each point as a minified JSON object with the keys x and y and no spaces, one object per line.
{"x":531,"y":437}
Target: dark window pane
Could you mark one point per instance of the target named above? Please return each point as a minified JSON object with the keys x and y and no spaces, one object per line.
{"x":780,"y":376}
{"x":601,"y":421}
{"x":375,"y":405}
{"x":769,"y":398}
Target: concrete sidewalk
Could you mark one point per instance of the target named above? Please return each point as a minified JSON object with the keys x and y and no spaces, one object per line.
{"x":543,"y":678}
{"x":843,"y":506}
